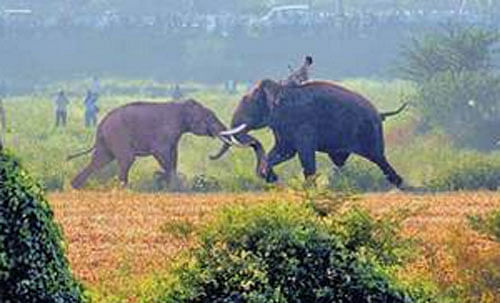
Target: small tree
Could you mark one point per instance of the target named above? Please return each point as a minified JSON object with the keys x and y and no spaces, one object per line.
{"x":457,"y":89}
{"x":33,"y":266}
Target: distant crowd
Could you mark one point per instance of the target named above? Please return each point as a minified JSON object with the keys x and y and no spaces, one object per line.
{"x":227,"y":24}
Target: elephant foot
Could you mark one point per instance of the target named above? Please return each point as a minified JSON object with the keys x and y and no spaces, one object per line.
{"x":76,"y":185}
{"x":271,"y":177}
{"x":311,"y":181}
{"x":171,"y":182}
{"x":396,"y":180}
{"x":263,"y":168}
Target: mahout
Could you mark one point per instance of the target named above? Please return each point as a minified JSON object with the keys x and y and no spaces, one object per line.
{"x":316,"y":116}
{"x":147,"y":129}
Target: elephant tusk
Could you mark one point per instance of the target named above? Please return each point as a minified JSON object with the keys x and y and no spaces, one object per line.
{"x":237,"y":143}
{"x":233,"y":131}
{"x":221,"y":152}
{"x":225,"y":140}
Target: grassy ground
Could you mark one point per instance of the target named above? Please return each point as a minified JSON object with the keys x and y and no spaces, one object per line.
{"x":119,"y":240}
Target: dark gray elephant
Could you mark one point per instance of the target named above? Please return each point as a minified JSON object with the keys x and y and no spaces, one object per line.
{"x":144,"y":129}
{"x":315,"y":116}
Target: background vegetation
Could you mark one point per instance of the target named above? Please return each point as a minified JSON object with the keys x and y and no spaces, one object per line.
{"x":457,"y":86}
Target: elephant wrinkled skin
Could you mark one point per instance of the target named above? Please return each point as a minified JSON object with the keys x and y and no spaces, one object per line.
{"x":144,"y":129}
{"x":314,"y":116}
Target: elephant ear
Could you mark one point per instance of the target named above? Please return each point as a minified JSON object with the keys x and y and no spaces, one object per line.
{"x":272,"y":91}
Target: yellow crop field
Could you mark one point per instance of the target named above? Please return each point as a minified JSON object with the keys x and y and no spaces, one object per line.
{"x":117,"y":239}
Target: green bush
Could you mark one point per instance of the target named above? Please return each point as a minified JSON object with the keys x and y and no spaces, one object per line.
{"x":488,"y":224}
{"x":467,"y":171}
{"x":456,"y":86}
{"x":281,"y":252}
{"x":359,"y":230}
{"x":177,"y":228}
{"x":204,"y":183}
{"x":33,"y":266}
{"x":465,"y":105}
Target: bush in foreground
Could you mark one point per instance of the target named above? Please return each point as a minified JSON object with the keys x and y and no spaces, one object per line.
{"x":281,"y":252}
{"x":33,"y":266}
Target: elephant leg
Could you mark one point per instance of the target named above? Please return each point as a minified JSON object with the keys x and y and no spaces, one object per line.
{"x":338,"y":158}
{"x":173,"y":161}
{"x":389,"y":172}
{"x":168,"y":162}
{"x":125,"y":162}
{"x":306,"y":147}
{"x":276,"y":156}
{"x":308,"y":161}
{"x":100,"y":158}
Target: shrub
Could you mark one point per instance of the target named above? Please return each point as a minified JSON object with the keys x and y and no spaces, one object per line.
{"x":278,"y":252}
{"x":177,"y":228}
{"x":455,"y":84}
{"x":33,"y":266}
{"x":464,"y":105}
{"x":467,"y":171}
{"x":204,"y":183}
{"x":488,"y":224}
{"x":359,"y":230}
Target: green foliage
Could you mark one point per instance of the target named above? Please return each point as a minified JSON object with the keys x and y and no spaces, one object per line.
{"x":178,"y":228}
{"x":467,"y":171}
{"x":33,"y":266}
{"x":488,"y":224}
{"x":464,"y":105}
{"x":204,"y":183}
{"x":359,"y":231}
{"x":456,"y":87}
{"x":453,"y":49}
{"x":282,"y":252}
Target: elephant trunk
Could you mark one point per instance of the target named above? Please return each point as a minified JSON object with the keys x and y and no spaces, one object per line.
{"x":225,"y":147}
{"x":228,"y":139}
{"x":260,"y":154}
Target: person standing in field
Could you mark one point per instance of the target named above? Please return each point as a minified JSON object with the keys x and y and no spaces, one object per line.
{"x":96,"y":86}
{"x":177,"y":93}
{"x":91,"y":109}
{"x":61,"y":103}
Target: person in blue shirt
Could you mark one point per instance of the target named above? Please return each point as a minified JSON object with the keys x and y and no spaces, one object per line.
{"x":91,"y":109}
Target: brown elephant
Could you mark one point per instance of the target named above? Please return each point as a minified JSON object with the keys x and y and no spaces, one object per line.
{"x":143,"y":129}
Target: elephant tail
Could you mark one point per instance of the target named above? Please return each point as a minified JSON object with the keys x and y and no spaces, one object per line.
{"x":388,"y":114}
{"x":70,"y":157}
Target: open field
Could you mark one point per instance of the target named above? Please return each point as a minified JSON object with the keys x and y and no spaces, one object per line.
{"x":118,"y":240}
